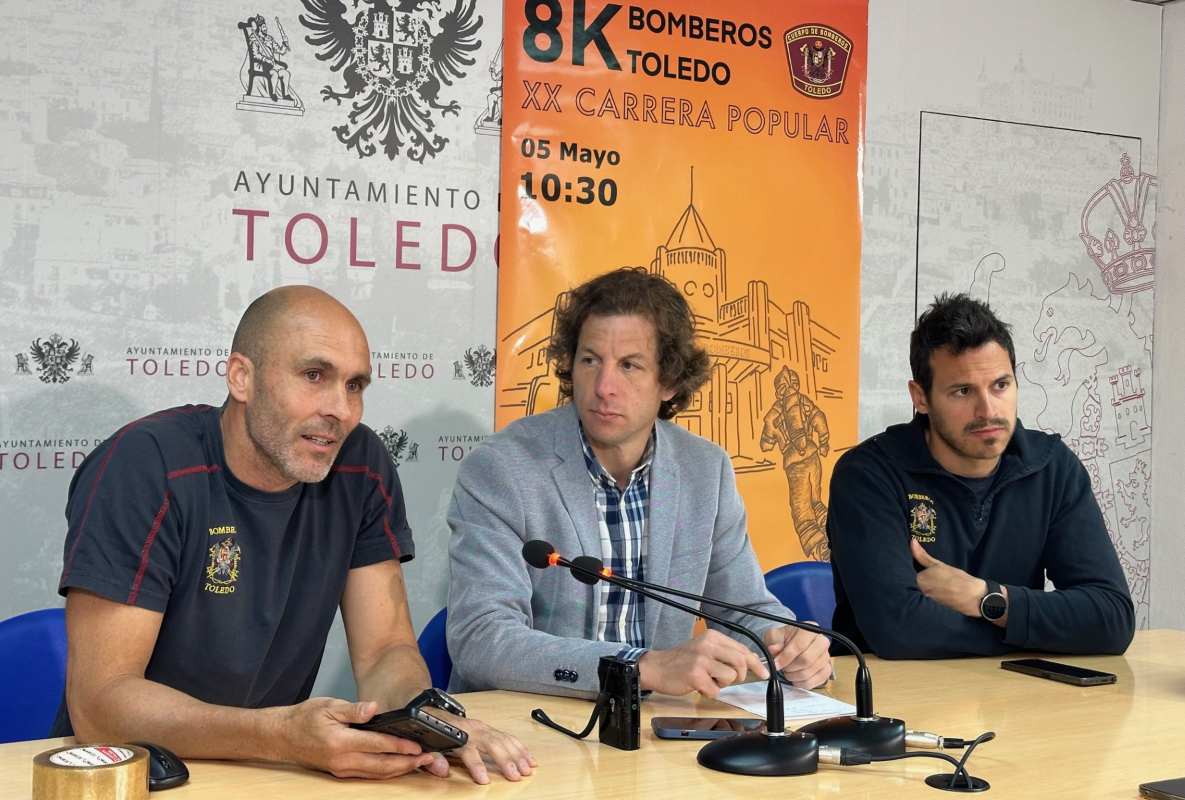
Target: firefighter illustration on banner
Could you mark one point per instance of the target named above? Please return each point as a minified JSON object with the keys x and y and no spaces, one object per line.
{"x":799,"y":430}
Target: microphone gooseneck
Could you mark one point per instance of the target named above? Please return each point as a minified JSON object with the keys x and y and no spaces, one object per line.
{"x":771,"y":752}
{"x":863,"y":730}
{"x":864,"y":706}
{"x":858,"y":739}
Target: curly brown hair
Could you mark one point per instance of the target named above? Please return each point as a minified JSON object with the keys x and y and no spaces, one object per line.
{"x":682,"y":365}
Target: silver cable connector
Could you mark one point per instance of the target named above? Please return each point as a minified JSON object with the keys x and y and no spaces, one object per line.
{"x":931,"y":741}
{"x":829,"y":754}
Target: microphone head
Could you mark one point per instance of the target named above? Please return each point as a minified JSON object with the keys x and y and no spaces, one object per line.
{"x":593,"y":565}
{"x":537,"y":553}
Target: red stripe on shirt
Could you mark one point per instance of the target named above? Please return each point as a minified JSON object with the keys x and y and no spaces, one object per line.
{"x":391,"y":537}
{"x":206,"y":469}
{"x":144,"y":551}
{"x":103,"y":469}
{"x":363,"y":469}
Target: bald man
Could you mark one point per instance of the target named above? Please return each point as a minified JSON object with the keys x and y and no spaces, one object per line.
{"x":209,"y":548}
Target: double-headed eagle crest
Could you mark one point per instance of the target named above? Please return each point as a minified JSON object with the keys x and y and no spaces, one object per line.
{"x":395,"y":57}
{"x":479,"y":362}
{"x":55,"y":358}
{"x":395,"y":442}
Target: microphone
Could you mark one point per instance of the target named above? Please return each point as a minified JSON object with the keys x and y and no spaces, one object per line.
{"x":864,"y":730}
{"x":772,"y":752}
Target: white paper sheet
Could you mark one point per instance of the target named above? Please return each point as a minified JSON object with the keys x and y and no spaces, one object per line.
{"x":798,"y":703}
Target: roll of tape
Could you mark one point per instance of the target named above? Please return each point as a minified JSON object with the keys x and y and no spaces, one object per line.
{"x":91,"y":772}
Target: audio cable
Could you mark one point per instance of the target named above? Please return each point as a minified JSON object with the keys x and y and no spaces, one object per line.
{"x":959,"y":780}
{"x":932,"y":741}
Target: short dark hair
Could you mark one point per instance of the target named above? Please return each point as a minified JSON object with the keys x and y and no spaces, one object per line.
{"x":682,"y":365}
{"x":956,"y":322}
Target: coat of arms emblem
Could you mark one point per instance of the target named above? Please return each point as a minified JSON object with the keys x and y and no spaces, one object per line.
{"x":399,"y":445}
{"x":55,"y":358}
{"x":224,"y":561}
{"x":479,"y":363}
{"x":395,"y":58}
{"x":923,"y":520}
{"x":818,"y":57}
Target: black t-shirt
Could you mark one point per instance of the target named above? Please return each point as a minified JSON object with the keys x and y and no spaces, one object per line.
{"x":248,"y":581}
{"x":980,"y":487}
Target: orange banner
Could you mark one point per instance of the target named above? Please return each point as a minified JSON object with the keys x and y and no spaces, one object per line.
{"x":719,"y":146}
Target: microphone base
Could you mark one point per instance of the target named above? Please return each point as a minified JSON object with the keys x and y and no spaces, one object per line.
{"x":762,"y":754}
{"x":946,"y":782}
{"x":878,"y":736}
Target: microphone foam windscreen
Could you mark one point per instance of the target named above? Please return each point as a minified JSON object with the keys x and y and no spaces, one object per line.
{"x":536,"y":553}
{"x":593,"y":565}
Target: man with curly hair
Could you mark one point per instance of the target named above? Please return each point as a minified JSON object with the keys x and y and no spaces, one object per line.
{"x":610,"y":475}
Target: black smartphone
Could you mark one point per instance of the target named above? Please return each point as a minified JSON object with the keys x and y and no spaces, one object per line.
{"x":432,"y":734}
{"x":1164,"y":790}
{"x":704,"y":727}
{"x":1066,"y":673}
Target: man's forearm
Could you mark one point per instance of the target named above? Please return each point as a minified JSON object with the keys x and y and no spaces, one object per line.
{"x":133,"y":708}
{"x":1081,"y":619}
{"x":397,"y":676}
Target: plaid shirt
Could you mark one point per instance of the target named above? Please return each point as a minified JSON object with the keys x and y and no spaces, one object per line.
{"x":623,"y":517}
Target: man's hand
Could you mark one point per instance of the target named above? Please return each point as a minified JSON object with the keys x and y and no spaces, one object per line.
{"x":948,"y":585}
{"x":487,"y":746}
{"x":317,"y":734}
{"x":802,"y":656}
{"x":704,"y":664}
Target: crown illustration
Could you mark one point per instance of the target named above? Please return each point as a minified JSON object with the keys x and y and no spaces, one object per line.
{"x":1127,"y":263}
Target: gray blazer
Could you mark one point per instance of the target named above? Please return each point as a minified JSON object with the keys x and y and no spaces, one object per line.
{"x":511,"y":626}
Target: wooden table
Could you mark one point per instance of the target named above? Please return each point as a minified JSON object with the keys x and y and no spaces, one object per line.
{"x":1053,"y":740}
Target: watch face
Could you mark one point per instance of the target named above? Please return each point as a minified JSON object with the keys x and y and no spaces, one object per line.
{"x":993,"y":606}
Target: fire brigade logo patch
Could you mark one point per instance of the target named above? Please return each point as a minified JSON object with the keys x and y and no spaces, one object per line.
{"x":818,"y":57}
{"x":223,"y":570}
{"x":923,"y":518}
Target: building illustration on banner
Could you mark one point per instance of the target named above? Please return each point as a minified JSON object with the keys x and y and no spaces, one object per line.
{"x":395,"y":59}
{"x":264,"y":75}
{"x":769,"y":382}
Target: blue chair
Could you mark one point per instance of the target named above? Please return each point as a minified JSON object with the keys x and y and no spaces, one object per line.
{"x":805,"y":587}
{"x":32,"y":673}
{"x":434,"y":649}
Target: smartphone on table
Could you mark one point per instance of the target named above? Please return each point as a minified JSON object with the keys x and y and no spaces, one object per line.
{"x":1164,"y":790}
{"x":704,"y":727}
{"x":1055,"y":671}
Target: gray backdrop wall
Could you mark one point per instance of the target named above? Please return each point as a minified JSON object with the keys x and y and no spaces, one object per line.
{"x":146,"y":196}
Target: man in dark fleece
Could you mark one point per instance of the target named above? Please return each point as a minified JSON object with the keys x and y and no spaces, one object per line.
{"x":944,"y":530}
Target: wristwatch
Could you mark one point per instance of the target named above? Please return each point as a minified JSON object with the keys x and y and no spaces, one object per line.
{"x":437,"y":698}
{"x":993,"y":605}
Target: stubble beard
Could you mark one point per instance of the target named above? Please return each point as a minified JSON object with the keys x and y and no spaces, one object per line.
{"x":266,"y":430}
{"x":980,"y":455}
